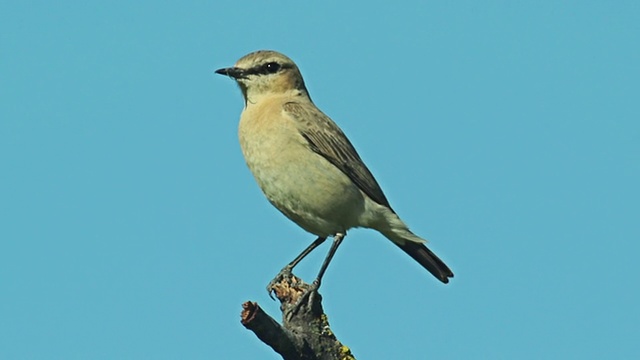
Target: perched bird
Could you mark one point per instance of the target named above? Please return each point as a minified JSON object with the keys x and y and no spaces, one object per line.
{"x":306,"y":166}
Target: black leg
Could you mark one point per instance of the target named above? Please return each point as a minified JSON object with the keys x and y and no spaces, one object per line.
{"x":317,"y":242}
{"x":286,"y":271}
{"x":303,"y":299}
{"x":337,"y":240}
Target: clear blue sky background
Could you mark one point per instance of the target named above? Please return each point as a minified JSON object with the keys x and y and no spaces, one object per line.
{"x":506,"y":133}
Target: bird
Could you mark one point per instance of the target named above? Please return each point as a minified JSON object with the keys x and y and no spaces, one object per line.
{"x":308,"y":169}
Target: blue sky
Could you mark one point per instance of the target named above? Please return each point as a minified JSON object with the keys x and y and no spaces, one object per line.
{"x":506,"y":133}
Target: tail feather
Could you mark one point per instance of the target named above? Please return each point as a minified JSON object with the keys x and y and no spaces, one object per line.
{"x":425,"y":257}
{"x":397,"y":231}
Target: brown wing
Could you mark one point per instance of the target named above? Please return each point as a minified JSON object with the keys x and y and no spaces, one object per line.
{"x":327,"y":140}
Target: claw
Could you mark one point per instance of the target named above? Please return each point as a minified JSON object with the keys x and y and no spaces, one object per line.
{"x":285,"y":273}
{"x":304,"y":298}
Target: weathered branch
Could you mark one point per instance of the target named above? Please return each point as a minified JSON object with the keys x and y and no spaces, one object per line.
{"x":305,"y":333}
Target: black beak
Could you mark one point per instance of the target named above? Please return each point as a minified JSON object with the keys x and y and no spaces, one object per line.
{"x":232,"y":72}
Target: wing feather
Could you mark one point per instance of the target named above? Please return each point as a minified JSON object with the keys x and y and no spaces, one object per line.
{"x":327,"y":140}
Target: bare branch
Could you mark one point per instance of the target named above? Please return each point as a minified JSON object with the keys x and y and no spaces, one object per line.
{"x":305,"y":333}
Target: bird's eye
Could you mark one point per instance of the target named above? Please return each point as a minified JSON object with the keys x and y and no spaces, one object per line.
{"x":271,"y":67}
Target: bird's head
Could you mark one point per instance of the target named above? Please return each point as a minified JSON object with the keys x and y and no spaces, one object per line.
{"x":265,"y":72}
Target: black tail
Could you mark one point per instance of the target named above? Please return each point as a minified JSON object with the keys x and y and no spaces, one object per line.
{"x":420,"y":253}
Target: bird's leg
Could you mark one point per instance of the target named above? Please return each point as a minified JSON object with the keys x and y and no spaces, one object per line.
{"x":337,"y":240}
{"x":286,"y":271}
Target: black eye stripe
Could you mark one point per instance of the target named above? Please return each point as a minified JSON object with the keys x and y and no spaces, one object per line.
{"x":268,"y":68}
{"x":271,"y":68}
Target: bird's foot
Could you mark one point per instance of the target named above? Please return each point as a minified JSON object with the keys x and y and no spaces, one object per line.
{"x":306,"y":296}
{"x":284,"y":274}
